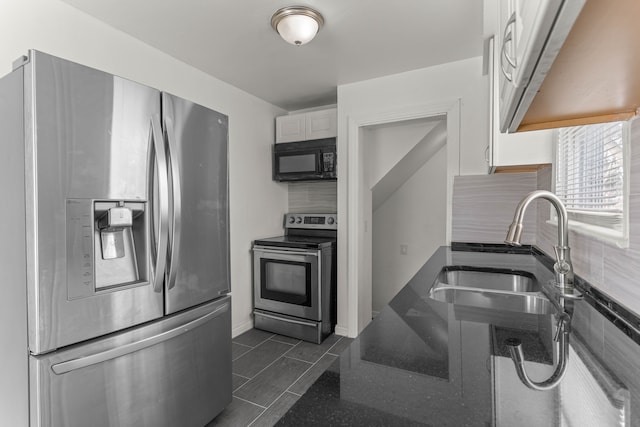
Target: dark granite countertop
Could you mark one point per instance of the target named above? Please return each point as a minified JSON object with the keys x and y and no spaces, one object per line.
{"x":426,"y":362}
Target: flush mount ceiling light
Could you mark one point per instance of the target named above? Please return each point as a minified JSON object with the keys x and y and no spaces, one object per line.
{"x":297,"y":25}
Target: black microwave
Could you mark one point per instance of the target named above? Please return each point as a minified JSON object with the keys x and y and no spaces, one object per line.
{"x":305,"y":160}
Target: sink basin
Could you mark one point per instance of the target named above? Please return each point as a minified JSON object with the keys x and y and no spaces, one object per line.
{"x":488,"y":278}
{"x":531,"y":303}
{"x":489,"y":288}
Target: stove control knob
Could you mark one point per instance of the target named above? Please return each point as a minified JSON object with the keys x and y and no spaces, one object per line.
{"x":298,"y":220}
{"x":330,"y":220}
{"x":291,"y":220}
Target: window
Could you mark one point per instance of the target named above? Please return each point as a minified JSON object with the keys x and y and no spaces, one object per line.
{"x":590,"y":178}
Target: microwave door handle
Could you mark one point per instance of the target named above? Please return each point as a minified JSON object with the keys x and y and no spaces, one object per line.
{"x":176,"y":228}
{"x":160,"y":160}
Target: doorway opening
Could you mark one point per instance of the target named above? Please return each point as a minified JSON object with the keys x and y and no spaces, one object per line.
{"x":405,"y":170}
{"x":355,"y":202}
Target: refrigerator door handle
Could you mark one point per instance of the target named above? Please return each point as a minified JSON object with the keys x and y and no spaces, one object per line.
{"x":174,"y":249}
{"x":159,"y":266}
{"x":103,"y":356}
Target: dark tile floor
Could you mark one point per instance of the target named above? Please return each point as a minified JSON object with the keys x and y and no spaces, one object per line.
{"x":270,"y":372}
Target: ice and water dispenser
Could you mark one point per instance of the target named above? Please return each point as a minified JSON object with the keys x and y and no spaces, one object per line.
{"x":107,"y":245}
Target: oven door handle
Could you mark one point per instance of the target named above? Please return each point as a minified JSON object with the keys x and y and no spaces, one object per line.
{"x":283,"y":252}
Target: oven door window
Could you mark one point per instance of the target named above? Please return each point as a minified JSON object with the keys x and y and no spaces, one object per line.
{"x":286,"y":281}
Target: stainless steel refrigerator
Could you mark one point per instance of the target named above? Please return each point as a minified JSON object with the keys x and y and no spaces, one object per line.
{"x":115,"y":251}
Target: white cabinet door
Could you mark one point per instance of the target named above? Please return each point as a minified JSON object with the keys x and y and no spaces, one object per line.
{"x":519,"y":149}
{"x":529,"y":38}
{"x":290,"y":128}
{"x":533,"y":21}
{"x":305,"y":126}
{"x":524,"y":29}
{"x":321,"y":124}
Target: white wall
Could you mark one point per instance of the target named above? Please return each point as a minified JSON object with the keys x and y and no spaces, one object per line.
{"x":256,"y":202}
{"x":386,"y":145}
{"x":461,"y":80}
{"x":413,"y":216}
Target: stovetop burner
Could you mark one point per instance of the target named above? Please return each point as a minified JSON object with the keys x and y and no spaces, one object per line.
{"x":305,"y":231}
{"x":298,"y":242}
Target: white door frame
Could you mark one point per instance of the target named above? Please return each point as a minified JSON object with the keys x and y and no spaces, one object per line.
{"x":358,"y":314}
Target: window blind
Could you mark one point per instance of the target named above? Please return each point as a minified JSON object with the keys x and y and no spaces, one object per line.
{"x":590,"y":173}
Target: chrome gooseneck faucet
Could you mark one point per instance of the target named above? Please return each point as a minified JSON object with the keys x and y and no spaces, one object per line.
{"x":562,"y":268}
{"x":564,"y":289}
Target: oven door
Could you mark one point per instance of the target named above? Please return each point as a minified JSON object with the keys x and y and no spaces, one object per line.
{"x":287,"y":281}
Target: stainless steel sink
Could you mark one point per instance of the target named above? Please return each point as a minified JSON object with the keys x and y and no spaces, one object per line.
{"x":496,"y":289}
{"x":532,"y":303}
{"x":488,"y":278}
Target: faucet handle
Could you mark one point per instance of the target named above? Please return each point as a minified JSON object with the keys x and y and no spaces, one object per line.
{"x":563,"y":326}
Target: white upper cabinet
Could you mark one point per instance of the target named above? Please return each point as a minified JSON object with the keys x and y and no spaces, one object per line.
{"x":306,"y":126}
{"x":290,"y":128}
{"x":321,"y":124}
{"x":528,"y":36}
{"x":521,"y":151}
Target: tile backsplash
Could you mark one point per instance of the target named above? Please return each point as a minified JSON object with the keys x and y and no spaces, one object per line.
{"x":483,"y":207}
{"x":313,"y":197}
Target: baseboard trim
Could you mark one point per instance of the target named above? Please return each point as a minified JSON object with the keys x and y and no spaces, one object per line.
{"x":242,"y":328}
{"x":341,"y":331}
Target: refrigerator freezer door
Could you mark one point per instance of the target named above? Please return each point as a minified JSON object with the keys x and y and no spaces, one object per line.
{"x":172,"y":372}
{"x":199,"y":236}
{"x":87,"y":145}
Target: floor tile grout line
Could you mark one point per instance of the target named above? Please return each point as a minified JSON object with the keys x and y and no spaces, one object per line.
{"x":304,"y":373}
{"x":299,"y":360}
{"x":248,"y":401}
{"x":325,"y":353}
{"x":288,"y":343}
{"x":266,"y":339}
{"x":256,"y":418}
{"x":310,"y":367}
{"x":253,"y":403}
{"x":270,"y":405}
{"x":287,"y":390}
{"x":282,"y":342}
{"x":243,"y":345}
{"x":289,"y":386}
{"x":285,"y":355}
{"x":259,"y":372}
{"x":233,"y":360}
{"x":265,"y":366}
{"x":335,"y":344}
{"x":300,"y":376}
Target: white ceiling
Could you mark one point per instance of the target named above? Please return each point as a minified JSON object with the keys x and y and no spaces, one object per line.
{"x":233,"y":41}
